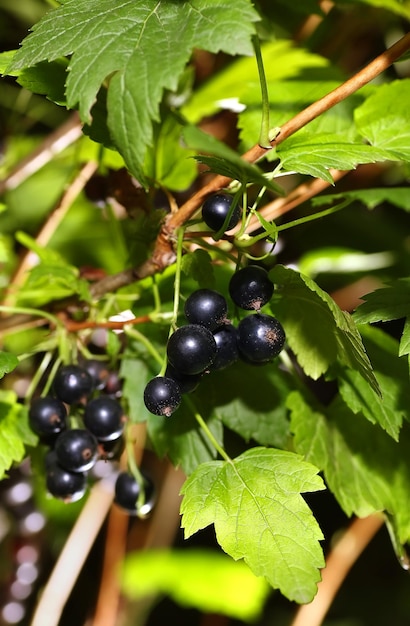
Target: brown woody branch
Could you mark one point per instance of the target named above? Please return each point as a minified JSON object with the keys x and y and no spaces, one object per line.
{"x":163,"y":254}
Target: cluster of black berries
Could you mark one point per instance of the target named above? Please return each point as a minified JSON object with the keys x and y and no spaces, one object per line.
{"x":98,"y":434}
{"x":210,"y":342}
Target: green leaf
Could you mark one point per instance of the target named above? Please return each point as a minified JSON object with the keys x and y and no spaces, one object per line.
{"x":389,"y":409}
{"x":400,"y":7}
{"x":182,"y":440}
{"x":46,"y":283}
{"x":15,"y":433}
{"x":314,"y":153}
{"x":342,"y":260}
{"x":364,"y":467}
{"x":198,"y":265}
{"x":132,"y":45}
{"x":46,"y":78}
{"x":8,"y":362}
{"x":384,"y":121}
{"x":230,"y":395}
{"x":262,"y":485}
{"x":211,"y":582}
{"x":224,"y":160}
{"x":238,"y":84}
{"x":398,"y":196}
{"x":318,"y":332}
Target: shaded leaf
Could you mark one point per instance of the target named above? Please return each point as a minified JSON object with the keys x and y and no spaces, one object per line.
{"x":8,"y":362}
{"x":398,"y":196}
{"x":262,"y":485}
{"x":15,"y":433}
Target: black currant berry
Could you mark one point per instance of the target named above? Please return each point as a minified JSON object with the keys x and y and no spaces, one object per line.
{"x":65,"y":485}
{"x":206,"y":307}
{"x":98,"y":371}
{"x":127,"y":491}
{"x":111,"y":450}
{"x":191,"y":349}
{"x":260,"y":338}
{"x":47,"y":416}
{"x":216,"y":209}
{"x":76,"y":450}
{"x":103,"y":416}
{"x":250,"y":287}
{"x":162,"y":396}
{"x":186,"y":382}
{"x":72,"y":384}
{"x":226,"y":339}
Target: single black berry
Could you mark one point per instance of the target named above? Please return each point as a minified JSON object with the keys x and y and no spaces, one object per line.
{"x":128,"y":491}
{"x":47,"y":416}
{"x":186,"y":382}
{"x":76,"y":450}
{"x":216,"y":209}
{"x":191,"y":349}
{"x":98,"y":371}
{"x":103,"y":416}
{"x":72,"y":384}
{"x":162,"y":396}
{"x":111,"y":450}
{"x":63,"y":484}
{"x":206,"y":307}
{"x":227,"y":353}
{"x":250,"y":287}
{"x":260,"y":338}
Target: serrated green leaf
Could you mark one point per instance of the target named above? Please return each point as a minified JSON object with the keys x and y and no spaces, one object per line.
{"x":364,"y":467}
{"x":181,"y":439}
{"x":224,"y":160}
{"x":389,"y":409}
{"x":398,"y":196}
{"x":383,"y":119}
{"x":211,"y":582}
{"x":391,"y":302}
{"x":8,"y":362}
{"x":230,"y":395}
{"x":46,"y":283}
{"x":198,"y":265}
{"x":318,"y":332}
{"x":133,"y":44}
{"x":262,"y":485}
{"x":342,"y":260}
{"x":315,"y":153}
{"x":47,"y":79}
{"x":15,"y":433}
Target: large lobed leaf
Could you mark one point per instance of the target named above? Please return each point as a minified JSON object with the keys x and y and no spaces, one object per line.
{"x":138,"y":49}
{"x":317,"y":330}
{"x":15,"y":433}
{"x":364,"y":467}
{"x":262,"y":486}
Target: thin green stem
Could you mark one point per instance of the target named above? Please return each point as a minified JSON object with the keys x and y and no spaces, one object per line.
{"x":131,"y":331}
{"x":264,"y":136}
{"x":134,"y":469}
{"x":38,"y":374}
{"x":156,"y":295}
{"x":207,"y":430}
{"x":177,"y":280}
{"x":50,"y":378}
{"x":314,"y":216}
{"x":27,"y":311}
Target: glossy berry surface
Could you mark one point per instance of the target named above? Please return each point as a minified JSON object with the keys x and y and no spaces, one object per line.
{"x":72,"y":384}
{"x":191,"y":349}
{"x":65,"y":485}
{"x":47,"y":416}
{"x":227,"y":353}
{"x":187,"y":382}
{"x":111,"y":450}
{"x":260,"y":338}
{"x":250,"y":287}
{"x":206,"y":307}
{"x":103,"y":416}
{"x":216,"y":209}
{"x":76,"y":450}
{"x":127,"y":491}
{"x":162,"y":396}
{"x":98,"y":371}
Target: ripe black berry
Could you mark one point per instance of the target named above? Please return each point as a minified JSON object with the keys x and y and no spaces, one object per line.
{"x":111,"y":450}
{"x":216,"y":209}
{"x":47,"y":416}
{"x":191,"y":349}
{"x":162,"y":396}
{"x":98,"y":371}
{"x":103,"y":416}
{"x":127,"y":492}
{"x":72,"y":384}
{"x":186,"y":382}
{"x":76,"y":450}
{"x":226,"y":339}
{"x":206,"y":307}
{"x":65,"y":485}
{"x":260,"y":338}
{"x":250,"y":287}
